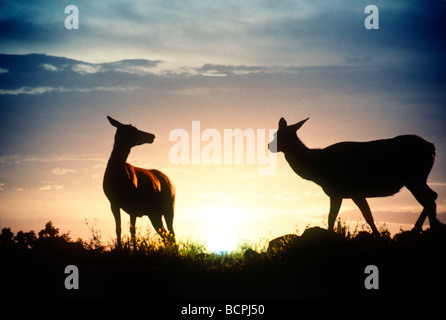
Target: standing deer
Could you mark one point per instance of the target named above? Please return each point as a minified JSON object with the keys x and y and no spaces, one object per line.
{"x":137,"y":191}
{"x":359,"y":170}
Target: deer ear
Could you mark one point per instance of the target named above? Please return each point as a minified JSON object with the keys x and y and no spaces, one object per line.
{"x":282,"y":123}
{"x":299,"y":124}
{"x":114,"y":122}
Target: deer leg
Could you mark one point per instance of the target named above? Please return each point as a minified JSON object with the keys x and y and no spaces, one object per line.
{"x":335,"y":205}
{"x":117,"y":214}
{"x":432,"y":214}
{"x":365,"y":210}
{"x":420,"y":221}
{"x":157,"y":223}
{"x":426,"y":197}
{"x":168,"y":216}
{"x":133,"y":230}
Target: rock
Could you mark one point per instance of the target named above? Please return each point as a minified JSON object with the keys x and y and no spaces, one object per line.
{"x":317,"y":236}
{"x":282,"y":243}
{"x":251,"y":256}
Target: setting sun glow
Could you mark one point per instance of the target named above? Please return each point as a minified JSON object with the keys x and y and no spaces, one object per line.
{"x":222,"y":228}
{"x":221,"y":239}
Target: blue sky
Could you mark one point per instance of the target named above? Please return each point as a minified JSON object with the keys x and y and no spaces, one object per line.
{"x":230,"y":64}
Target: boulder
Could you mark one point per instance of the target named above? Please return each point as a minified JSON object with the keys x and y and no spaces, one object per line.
{"x":318,"y":237}
{"x":282,"y":243}
{"x":251,"y":256}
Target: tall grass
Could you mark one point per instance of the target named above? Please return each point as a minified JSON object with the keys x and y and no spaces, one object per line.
{"x":190,"y":252}
{"x":361,"y":230}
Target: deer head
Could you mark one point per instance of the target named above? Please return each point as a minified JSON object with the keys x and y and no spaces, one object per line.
{"x":128,"y":136}
{"x":284,"y":135}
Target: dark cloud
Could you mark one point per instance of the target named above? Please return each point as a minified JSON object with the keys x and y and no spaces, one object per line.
{"x":39,"y":73}
{"x":40,"y":70}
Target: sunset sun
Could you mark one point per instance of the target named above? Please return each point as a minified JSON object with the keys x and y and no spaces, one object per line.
{"x":222,"y":227}
{"x":221,"y":239}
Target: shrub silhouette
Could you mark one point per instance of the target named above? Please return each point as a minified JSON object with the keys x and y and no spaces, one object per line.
{"x":315,"y":264}
{"x":6,"y":236}
{"x":49,"y":231}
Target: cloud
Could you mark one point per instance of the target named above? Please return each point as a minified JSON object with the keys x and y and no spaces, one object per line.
{"x":46,"y":187}
{"x":50,"y":67}
{"x":214,"y":74}
{"x":36,"y":74}
{"x":223,"y":70}
{"x":59,"y":171}
{"x":42,"y":90}
{"x":132,"y":66}
{"x":39,"y":74}
{"x":51,"y":186}
{"x":48,"y":159}
{"x":26,"y":90}
{"x":85,"y":68}
{"x":1,"y":186}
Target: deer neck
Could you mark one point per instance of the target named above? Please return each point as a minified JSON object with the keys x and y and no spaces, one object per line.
{"x":118,"y":156}
{"x":300,"y":158}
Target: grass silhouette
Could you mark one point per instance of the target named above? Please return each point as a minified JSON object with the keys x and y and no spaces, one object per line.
{"x":314,"y":264}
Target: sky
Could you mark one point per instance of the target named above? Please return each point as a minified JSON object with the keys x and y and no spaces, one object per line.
{"x":162,"y":65}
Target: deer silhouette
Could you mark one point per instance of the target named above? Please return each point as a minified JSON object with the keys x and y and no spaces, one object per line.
{"x":137,"y":191}
{"x":359,"y":170}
